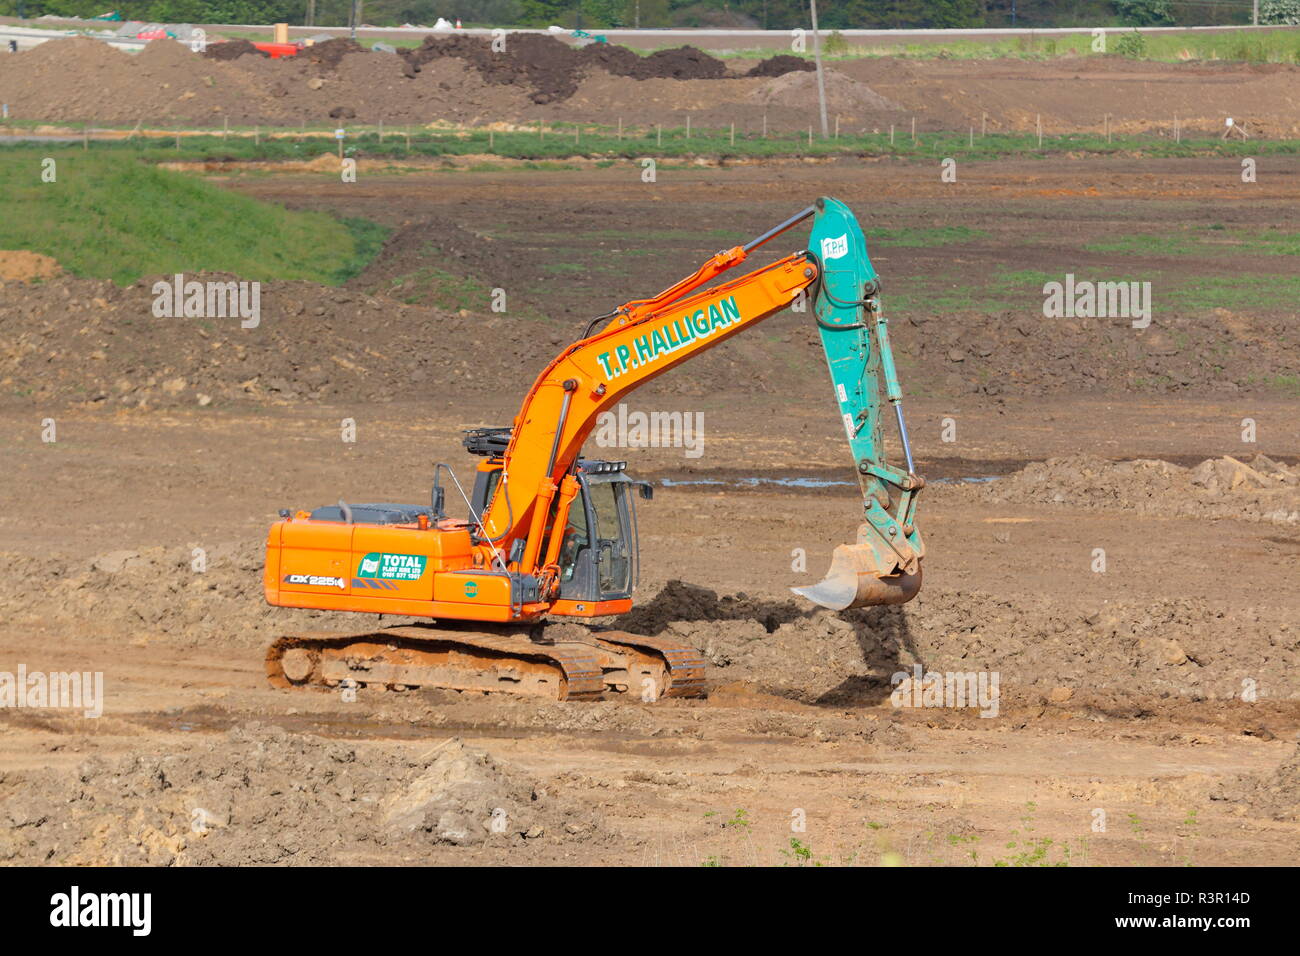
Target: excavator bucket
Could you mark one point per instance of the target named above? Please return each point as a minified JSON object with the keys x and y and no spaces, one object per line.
{"x":856,"y":578}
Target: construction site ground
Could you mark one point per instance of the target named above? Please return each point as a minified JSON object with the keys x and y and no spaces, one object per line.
{"x":1121,"y":690}
{"x":541,"y":79}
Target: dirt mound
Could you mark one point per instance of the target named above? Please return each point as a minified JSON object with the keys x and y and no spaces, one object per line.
{"x":161,"y":594}
{"x":325,"y":802}
{"x":329,"y":54}
{"x":1186,"y":648}
{"x":1275,"y":795}
{"x":232,"y":50}
{"x":680,"y":63}
{"x":542,"y":64}
{"x":311,"y":342}
{"x":1261,"y":490}
{"x":844,"y":95}
{"x":781,"y":65}
{"x":19,"y":265}
{"x":553,"y":69}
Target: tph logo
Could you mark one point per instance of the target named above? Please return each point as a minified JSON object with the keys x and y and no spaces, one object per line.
{"x":75,"y":908}
{"x":835,"y":248}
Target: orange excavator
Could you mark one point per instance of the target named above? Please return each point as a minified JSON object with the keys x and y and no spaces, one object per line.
{"x":551,"y":534}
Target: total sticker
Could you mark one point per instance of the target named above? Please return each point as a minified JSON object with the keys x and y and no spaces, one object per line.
{"x":392,"y":567}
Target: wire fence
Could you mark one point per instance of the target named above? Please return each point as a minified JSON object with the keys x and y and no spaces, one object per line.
{"x":541,"y":140}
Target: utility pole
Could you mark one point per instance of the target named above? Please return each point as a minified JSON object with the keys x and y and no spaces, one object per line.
{"x":1254,"y":15}
{"x":821,"y":79}
{"x":311,"y":13}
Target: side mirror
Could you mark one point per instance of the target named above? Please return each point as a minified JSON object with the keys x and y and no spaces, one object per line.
{"x":646,"y":490}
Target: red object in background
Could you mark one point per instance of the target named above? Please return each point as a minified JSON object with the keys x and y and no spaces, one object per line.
{"x":278,"y":50}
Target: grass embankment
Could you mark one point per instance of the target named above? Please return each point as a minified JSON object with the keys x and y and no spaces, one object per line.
{"x":1281,"y":45}
{"x":107,"y":215}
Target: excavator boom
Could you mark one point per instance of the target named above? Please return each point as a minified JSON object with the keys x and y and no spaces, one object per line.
{"x":645,"y":338}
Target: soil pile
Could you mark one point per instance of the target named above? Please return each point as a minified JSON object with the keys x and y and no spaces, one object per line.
{"x":159,"y":594}
{"x":1275,"y":795}
{"x":1261,"y":490}
{"x":1186,"y":648}
{"x":328,"y":55}
{"x":232,"y":50}
{"x":843,"y":94}
{"x":456,"y":78}
{"x":91,"y":341}
{"x":781,"y":65}
{"x":321,"y":802}
{"x":19,"y":265}
{"x":553,"y":69}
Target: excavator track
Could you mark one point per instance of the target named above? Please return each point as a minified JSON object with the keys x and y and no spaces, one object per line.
{"x":515,"y":661}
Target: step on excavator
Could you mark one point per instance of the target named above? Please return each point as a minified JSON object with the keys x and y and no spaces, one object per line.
{"x":551,"y":534}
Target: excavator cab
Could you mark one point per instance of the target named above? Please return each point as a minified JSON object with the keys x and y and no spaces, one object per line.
{"x":598,"y":560}
{"x":598,"y":555}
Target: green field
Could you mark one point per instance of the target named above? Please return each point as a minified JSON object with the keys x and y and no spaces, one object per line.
{"x":109,"y":215}
{"x":1274,"y":46}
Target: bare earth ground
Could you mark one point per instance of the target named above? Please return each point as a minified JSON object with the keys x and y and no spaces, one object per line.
{"x":81,"y":79}
{"x":1121,"y":691}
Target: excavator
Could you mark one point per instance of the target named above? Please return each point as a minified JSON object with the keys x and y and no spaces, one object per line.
{"x":551,"y":534}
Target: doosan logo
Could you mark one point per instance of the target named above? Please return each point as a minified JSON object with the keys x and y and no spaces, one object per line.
{"x":72,"y":909}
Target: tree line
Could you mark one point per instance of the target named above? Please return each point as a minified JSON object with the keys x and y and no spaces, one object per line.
{"x":605,"y":14}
